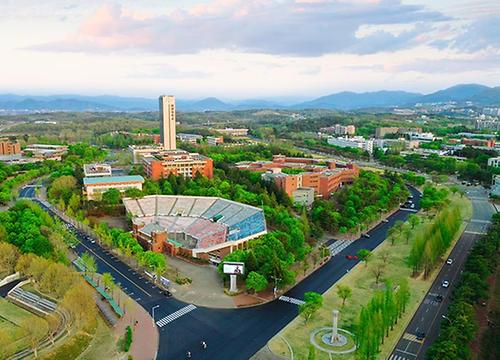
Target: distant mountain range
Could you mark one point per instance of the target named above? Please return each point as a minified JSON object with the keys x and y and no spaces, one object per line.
{"x":476,"y":94}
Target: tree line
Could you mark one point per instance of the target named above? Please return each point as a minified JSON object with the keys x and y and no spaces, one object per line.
{"x":378,"y":317}
{"x":459,"y":327}
{"x":433,"y":241}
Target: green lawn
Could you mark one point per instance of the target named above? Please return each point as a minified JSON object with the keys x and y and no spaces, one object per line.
{"x":11,"y":317}
{"x":362,"y":282}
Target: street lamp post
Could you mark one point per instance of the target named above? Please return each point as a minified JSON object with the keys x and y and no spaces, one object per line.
{"x":153,"y":312}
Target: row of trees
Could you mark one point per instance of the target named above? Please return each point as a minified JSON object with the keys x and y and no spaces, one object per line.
{"x":378,"y":317}
{"x":434,"y":239}
{"x":460,"y":325}
{"x":354,"y":207}
{"x":128,"y":246}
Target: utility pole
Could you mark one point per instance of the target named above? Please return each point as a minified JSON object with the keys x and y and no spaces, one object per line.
{"x":153,"y":312}
{"x":276,"y":281}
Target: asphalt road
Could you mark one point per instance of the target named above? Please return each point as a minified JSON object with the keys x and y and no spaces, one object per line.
{"x":430,"y":313}
{"x":231,"y":334}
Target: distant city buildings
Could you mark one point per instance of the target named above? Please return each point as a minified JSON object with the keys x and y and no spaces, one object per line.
{"x":487,"y":143}
{"x":484,"y":123}
{"x":381,"y":132}
{"x":427,"y":136}
{"x":9,"y":147}
{"x":357,"y":142}
{"x":323,"y":179}
{"x":233,"y":132}
{"x":338,"y":129}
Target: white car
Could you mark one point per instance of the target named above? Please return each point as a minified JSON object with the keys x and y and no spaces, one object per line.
{"x":449,"y":261}
{"x":445,"y":284}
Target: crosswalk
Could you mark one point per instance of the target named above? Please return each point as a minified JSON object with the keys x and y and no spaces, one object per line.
{"x":291,"y":300}
{"x":175,"y":315}
{"x":411,"y":337}
{"x":397,"y":357}
{"x":338,"y":246}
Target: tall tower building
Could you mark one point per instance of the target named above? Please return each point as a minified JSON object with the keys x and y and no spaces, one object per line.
{"x":167,"y":122}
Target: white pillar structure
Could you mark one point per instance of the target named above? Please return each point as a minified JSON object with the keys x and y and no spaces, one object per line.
{"x":233,"y":287}
{"x":335,"y":334}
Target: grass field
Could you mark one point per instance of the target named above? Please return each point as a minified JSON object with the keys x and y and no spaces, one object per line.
{"x":362,"y":282}
{"x":11,"y":316}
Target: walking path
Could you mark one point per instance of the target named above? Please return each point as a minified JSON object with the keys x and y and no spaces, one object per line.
{"x":145,"y":337}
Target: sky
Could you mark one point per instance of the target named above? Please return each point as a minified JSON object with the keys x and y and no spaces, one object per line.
{"x":235,"y":49}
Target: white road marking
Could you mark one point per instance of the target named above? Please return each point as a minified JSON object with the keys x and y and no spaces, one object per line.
{"x":291,"y":300}
{"x":175,"y":315}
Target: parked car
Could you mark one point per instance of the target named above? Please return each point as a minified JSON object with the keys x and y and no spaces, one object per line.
{"x":365,"y":235}
{"x":412,"y":206}
{"x":445,"y":284}
{"x":420,"y":335}
{"x":449,"y":261}
{"x":385,"y":220}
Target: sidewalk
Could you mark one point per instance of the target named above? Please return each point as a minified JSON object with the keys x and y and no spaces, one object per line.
{"x":145,"y":337}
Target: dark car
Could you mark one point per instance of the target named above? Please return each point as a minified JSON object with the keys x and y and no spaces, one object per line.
{"x":439,"y":298}
{"x":167,"y":293}
{"x":420,"y":335}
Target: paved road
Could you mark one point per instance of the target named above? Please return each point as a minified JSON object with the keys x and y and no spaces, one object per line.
{"x":429,"y":314}
{"x":231,"y":334}
{"x":4,"y":290}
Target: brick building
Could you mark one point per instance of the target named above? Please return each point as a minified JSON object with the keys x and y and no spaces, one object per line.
{"x":324,"y":179}
{"x":178,"y":162}
{"x":9,"y":147}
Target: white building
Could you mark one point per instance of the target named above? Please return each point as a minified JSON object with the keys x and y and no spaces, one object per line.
{"x":215,"y":140}
{"x":357,"y":142}
{"x":167,"y":122}
{"x":494,"y":162}
{"x":233,"y":132}
{"x":191,"y":138}
{"x":421,"y":136}
{"x":94,"y":186}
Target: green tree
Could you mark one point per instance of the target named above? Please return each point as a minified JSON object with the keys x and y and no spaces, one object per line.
{"x":111,"y":197}
{"x":256,"y":282}
{"x":364,"y":255}
{"x":89,"y":263}
{"x":313,"y":302}
{"x":414,"y":220}
{"x":344,"y":292}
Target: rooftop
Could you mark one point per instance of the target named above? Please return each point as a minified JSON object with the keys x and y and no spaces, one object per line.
{"x":112,"y":179}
